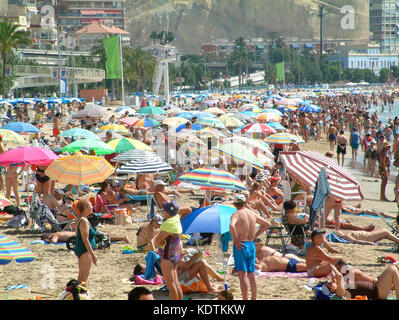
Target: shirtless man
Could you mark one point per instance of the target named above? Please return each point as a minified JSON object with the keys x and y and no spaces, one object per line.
{"x":341,"y":147}
{"x":317,"y":261}
{"x":367,"y":237}
{"x":332,"y":135}
{"x":244,"y":232}
{"x":263,"y":251}
{"x":63,"y":236}
{"x":148,"y":231}
{"x":276,"y":264}
{"x":12,"y":182}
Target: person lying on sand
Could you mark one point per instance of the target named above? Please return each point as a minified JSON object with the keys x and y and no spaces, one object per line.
{"x":282,"y":264}
{"x":358,"y":210}
{"x":367,"y":237}
{"x":263,"y":251}
{"x":63,"y":236}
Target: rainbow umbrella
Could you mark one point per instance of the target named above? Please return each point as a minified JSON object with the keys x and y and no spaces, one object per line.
{"x":27,"y":155}
{"x":10,"y":136}
{"x":125,"y":144}
{"x":236,"y":152}
{"x":115,"y":128}
{"x":12,"y":250}
{"x":208,"y":122}
{"x":213,"y":178}
{"x":80,"y":169}
{"x":97,"y":146}
{"x":283,"y":138}
{"x":146,"y":123}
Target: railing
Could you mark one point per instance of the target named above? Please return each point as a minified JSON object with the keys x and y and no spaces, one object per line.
{"x":46,"y":71}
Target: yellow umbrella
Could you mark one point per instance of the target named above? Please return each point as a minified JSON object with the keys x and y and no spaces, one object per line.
{"x":10,"y":136}
{"x":79,"y":169}
{"x":115,"y":128}
{"x":231,"y":121}
{"x":238,"y":96}
{"x":215,"y":111}
{"x":175,"y":121}
{"x":209,"y":133}
{"x":268,"y":117}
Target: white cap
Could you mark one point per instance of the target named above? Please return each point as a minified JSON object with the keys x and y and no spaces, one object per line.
{"x":159,"y":182}
{"x":239,"y":198}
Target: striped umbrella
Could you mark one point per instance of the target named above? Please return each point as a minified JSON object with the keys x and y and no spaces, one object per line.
{"x":129,"y":121}
{"x":134,"y":155}
{"x":146,"y":165}
{"x":146,"y":123}
{"x":258,"y":128}
{"x":210,"y":133}
{"x":210,"y":177}
{"x":12,"y":250}
{"x":79,"y":169}
{"x":207,"y":122}
{"x":78,"y":133}
{"x":126,"y":144}
{"x":10,"y":136}
{"x":284,"y":138}
{"x":306,"y":166}
{"x":97,"y":146}
{"x":236,"y":152}
{"x":268,"y":117}
{"x":276,"y":126}
{"x":119,"y":128}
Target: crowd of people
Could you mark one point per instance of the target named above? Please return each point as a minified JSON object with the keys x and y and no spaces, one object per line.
{"x":344,"y":120}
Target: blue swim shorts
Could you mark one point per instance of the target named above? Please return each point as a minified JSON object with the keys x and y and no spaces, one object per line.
{"x":244,"y":259}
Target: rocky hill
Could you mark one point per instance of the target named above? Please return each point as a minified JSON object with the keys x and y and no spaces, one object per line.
{"x":198,"y":21}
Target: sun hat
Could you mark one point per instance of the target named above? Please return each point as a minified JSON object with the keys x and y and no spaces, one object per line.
{"x":171,"y":207}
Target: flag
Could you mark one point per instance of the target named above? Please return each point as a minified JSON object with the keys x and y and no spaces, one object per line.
{"x":280,"y":71}
{"x":113,"y":64}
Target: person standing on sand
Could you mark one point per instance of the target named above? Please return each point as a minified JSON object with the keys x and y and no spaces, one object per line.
{"x":332,"y":136}
{"x":243,"y":230}
{"x":2,"y":150}
{"x":342,"y":142}
{"x":384,"y":163}
{"x":355,"y":142}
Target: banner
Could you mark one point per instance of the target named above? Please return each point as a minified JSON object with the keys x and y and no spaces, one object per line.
{"x":280,"y":71}
{"x":113,"y":64}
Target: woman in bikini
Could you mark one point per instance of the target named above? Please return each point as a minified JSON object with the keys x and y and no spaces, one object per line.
{"x":169,"y":242}
{"x":42,"y":181}
{"x":102,"y":199}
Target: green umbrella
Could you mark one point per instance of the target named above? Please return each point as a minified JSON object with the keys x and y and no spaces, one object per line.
{"x":98,"y":146}
{"x":126,"y":144}
{"x":150,"y":110}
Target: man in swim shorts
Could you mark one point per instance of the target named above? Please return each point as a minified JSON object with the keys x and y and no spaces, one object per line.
{"x":280,"y":264}
{"x":244,"y":232}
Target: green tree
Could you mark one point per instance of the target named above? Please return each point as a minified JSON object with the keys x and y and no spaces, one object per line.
{"x":10,"y":38}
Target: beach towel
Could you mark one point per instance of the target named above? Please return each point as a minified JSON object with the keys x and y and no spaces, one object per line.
{"x":153,"y":261}
{"x":156,"y":281}
{"x":297,"y":275}
{"x":332,"y":237}
{"x":362,"y":215}
{"x":194,"y":285}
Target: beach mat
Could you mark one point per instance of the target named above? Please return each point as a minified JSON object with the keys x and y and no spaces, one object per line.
{"x":362,"y":215}
{"x":297,"y":275}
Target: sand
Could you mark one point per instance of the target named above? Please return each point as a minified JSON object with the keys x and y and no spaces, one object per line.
{"x":55,"y":265}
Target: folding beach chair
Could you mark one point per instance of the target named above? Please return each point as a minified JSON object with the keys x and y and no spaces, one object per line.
{"x":296,"y":232}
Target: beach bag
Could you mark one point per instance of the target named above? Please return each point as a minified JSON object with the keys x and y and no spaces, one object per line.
{"x":194,"y":285}
{"x":75,"y":290}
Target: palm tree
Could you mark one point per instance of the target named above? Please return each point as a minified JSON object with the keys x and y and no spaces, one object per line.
{"x":10,"y":38}
{"x":239,"y":59}
{"x":139,"y":66}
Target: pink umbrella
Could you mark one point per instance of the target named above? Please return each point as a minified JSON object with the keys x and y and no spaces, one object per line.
{"x":27,"y":155}
{"x":130,"y":121}
{"x":258,"y":128}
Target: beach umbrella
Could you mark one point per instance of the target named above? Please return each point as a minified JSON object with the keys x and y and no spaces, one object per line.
{"x":186,"y":115}
{"x":146,"y":123}
{"x":130,"y":111}
{"x":97,"y":146}
{"x":276,"y":126}
{"x":249,"y":114}
{"x":194,"y":127}
{"x":129,"y":121}
{"x":284,"y":138}
{"x":27,"y":155}
{"x":20,"y":127}
{"x":206,"y":115}
{"x":273,"y":111}
{"x":215,"y":111}
{"x":11,"y":250}
{"x":255,"y":146}
{"x":212,"y":219}
{"x":185,"y":137}
{"x":229,"y":121}
{"x":78,"y":133}
{"x":236,"y":152}
{"x":174,"y":121}
{"x":207,"y":122}
{"x":90,"y":111}
{"x":119,"y":128}
{"x":10,"y":136}
{"x":268,"y":117}
{"x":174,"y":110}
{"x":210,"y":177}
{"x":150,"y":110}
{"x":309,"y":108}
{"x":251,"y":108}
{"x":258,"y":128}
{"x":125,"y":144}
{"x":145,"y":165}
{"x":80,"y":169}
{"x":241,"y":116}
{"x":134,"y":155}
{"x":286,"y":109}
{"x":210,"y":133}
{"x":124,"y":108}
{"x":306,"y":166}
{"x":5,"y":202}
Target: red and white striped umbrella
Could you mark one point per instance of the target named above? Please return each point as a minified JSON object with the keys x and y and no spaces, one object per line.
{"x":130,"y":121}
{"x":258,"y":128}
{"x":306,"y":165}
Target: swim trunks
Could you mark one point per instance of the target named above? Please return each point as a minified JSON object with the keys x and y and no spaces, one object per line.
{"x":244,"y":259}
{"x":291,"y":266}
{"x":331,"y":137}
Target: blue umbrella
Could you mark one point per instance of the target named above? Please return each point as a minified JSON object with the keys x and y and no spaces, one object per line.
{"x":205,"y":115}
{"x":309,"y":108}
{"x":213,"y":219}
{"x":284,"y":109}
{"x":20,"y":127}
{"x":194,"y":127}
{"x":79,"y":133}
{"x":185,"y":115}
{"x":276,"y":125}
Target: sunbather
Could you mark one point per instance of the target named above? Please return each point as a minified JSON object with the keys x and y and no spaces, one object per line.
{"x":263,"y":251}
{"x":282,"y":264}
{"x":359,"y":210}
{"x":63,"y":236}
{"x":367,"y":237}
